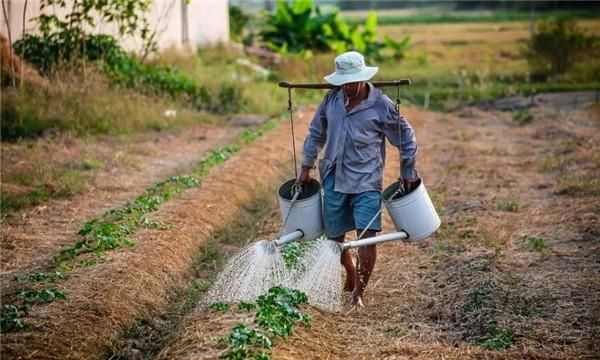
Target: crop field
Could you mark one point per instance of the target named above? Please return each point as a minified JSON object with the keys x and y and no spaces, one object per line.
{"x":110,"y":241}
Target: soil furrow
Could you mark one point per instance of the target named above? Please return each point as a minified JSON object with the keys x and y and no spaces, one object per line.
{"x":107,"y":298}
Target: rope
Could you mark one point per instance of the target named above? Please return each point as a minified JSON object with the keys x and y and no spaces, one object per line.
{"x":293,"y":135}
{"x":400,"y":180}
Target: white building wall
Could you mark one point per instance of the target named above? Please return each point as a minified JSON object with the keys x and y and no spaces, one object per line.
{"x":207,"y":22}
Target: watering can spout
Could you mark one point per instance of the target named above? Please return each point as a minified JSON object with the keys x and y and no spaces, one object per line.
{"x":289,"y":237}
{"x":374,"y":240}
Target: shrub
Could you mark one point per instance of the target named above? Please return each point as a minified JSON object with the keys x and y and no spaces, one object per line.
{"x":237,"y":22}
{"x":301,"y":28}
{"x":46,"y":52}
{"x":126,"y":70}
{"x":557,"y":45}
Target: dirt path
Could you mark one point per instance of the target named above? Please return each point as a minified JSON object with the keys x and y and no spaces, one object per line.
{"x":515,"y":266}
{"x":33,"y":236}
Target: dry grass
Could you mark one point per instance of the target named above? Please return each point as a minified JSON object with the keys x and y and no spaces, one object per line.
{"x":512,"y":31}
{"x":31,"y":237}
{"x":474,"y":284}
{"x":133,"y":283}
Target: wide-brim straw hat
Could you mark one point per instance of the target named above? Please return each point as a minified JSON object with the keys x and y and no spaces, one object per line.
{"x":350,"y":67}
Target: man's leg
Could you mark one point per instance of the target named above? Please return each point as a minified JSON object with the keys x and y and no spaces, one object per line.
{"x":338,"y":220}
{"x":366,"y":262}
{"x":348,"y":264}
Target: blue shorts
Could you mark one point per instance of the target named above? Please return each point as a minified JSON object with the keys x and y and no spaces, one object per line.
{"x":346,"y":212}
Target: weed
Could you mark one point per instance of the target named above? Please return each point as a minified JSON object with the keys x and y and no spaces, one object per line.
{"x":533,"y":243}
{"x":522,"y":117}
{"x":246,"y":306}
{"x":41,"y":183}
{"x":90,"y":164}
{"x":11,"y":318}
{"x":577,"y":185}
{"x":551,"y":163}
{"x":498,"y":339}
{"x":221,"y":307}
{"x":510,"y":205}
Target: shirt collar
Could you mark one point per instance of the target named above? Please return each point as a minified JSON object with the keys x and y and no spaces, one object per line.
{"x":374,"y":94}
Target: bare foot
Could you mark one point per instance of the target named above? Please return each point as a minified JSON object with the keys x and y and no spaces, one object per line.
{"x":356,"y":300}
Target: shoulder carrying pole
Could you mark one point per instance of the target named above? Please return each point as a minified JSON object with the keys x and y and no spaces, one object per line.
{"x":285,"y":84}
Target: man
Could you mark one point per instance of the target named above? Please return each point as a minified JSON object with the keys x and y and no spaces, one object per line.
{"x":351,"y":123}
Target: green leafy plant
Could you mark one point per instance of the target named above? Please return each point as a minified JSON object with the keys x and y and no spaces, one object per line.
{"x":533,"y":243}
{"x":510,"y":205}
{"x":557,"y":44}
{"x":244,"y":343}
{"x":292,"y":252}
{"x":277,"y":312}
{"x":90,"y":164}
{"x":399,"y":48}
{"x":221,"y":307}
{"x":522,"y":116}
{"x":498,"y":339}
{"x":32,"y":296}
{"x":114,"y":229}
{"x":11,"y":318}
{"x":303,"y":28}
{"x":43,"y":276}
{"x":238,"y":21}
{"x":246,"y":306}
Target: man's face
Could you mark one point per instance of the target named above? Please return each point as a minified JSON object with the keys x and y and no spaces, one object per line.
{"x":351,"y":89}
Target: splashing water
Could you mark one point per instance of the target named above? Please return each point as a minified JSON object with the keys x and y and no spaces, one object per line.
{"x":250,"y":273}
{"x":319,"y":275}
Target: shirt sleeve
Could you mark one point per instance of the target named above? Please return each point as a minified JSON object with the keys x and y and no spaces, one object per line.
{"x":317,"y":135}
{"x":401,"y":134}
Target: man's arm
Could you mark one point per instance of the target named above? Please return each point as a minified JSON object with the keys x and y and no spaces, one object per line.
{"x":401,"y":134}
{"x":316,"y":138}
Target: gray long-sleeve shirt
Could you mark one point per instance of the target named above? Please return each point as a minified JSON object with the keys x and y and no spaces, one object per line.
{"x":354,"y":141}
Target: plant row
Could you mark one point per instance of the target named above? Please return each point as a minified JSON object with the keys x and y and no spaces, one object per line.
{"x":112,"y":231}
{"x":277,"y":312}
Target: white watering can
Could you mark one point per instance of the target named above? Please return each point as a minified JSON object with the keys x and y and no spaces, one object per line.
{"x":413,"y":214}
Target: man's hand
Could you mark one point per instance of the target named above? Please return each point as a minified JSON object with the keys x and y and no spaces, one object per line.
{"x":304,"y":176}
{"x":410,"y":185}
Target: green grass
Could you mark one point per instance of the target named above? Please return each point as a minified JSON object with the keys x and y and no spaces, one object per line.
{"x":91,"y":164}
{"x":88,"y":105}
{"x":38,"y":184}
{"x":498,"y":339}
{"x":533,"y":243}
{"x":509,"y":205}
{"x":476,"y":17}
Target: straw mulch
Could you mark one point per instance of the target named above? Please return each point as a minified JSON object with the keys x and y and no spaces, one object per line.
{"x":492,"y":183}
{"x":133,"y":283}
{"x":33,"y":236}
